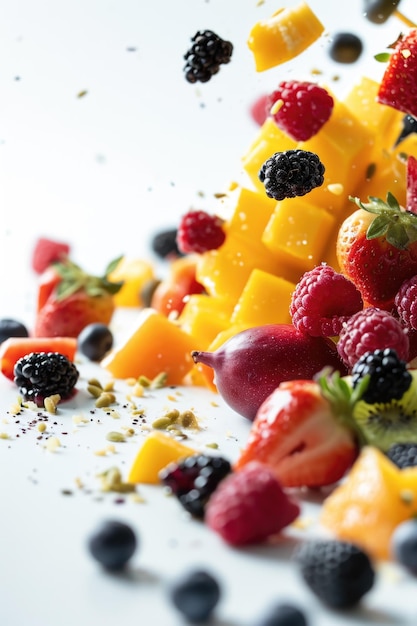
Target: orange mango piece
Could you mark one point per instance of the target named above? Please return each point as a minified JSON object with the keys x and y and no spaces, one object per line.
{"x":203,"y":317}
{"x":283,"y":36}
{"x":156,"y":452}
{"x":369,"y":504}
{"x":134,"y":273}
{"x":156,"y":345}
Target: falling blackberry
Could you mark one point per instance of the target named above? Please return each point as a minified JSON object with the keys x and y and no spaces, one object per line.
{"x":403,"y":454}
{"x":193,"y":479}
{"x":205,"y":56}
{"x":42,"y":374}
{"x":389,"y":377}
{"x":291,"y":173}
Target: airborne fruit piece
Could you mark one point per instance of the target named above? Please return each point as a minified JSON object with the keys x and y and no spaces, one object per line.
{"x":48,"y":251}
{"x":250,"y":365}
{"x":398,"y":87}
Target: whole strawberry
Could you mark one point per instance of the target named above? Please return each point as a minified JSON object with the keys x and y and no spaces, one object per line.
{"x":305,"y":432}
{"x":73,"y":300}
{"x":377,"y":249}
{"x":398,"y":87}
{"x":249,"y":506}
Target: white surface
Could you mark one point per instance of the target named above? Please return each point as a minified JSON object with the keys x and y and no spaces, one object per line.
{"x":104,"y":171}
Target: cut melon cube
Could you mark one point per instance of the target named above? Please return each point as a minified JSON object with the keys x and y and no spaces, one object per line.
{"x":283,"y":36}
{"x":156,"y":452}
{"x":156,"y":345}
{"x":265,"y":299}
{"x":270,"y":139}
{"x":298,"y":233}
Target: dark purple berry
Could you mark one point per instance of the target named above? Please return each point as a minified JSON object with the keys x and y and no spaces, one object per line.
{"x":12,"y":328}
{"x":164,"y":244}
{"x":42,"y":374}
{"x":291,"y":173}
{"x":113,"y":544}
{"x":205,"y":56}
{"x":283,"y":614}
{"x":196,"y":595}
{"x":389,"y":377}
{"x":345,"y":48}
{"x":94,"y":341}
{"x":403,"y":454}
{"x":404,"y":545}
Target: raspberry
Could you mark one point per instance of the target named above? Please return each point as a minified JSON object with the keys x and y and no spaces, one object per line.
{"x":259,"y":109}
{"x":306,"y":107}
{"x":42,"y":374}
{"x":389,"y":378}
{"x":194,"y":479}
{"x":406,"y":303}
{"x":205,"y":56}
{"x":199,"y":232}
{"x":403,"y":454}
{"x":323,"y":301}
{"x":369,"y":330}
{"x":249,"y":506}
{"x":337,"y":572}
{"x":291,"y":173}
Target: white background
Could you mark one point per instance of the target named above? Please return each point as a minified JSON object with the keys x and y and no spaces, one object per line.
{"x":143,"y":146}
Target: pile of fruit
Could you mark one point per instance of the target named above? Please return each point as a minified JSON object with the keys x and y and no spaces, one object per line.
{"x":298,"y":307}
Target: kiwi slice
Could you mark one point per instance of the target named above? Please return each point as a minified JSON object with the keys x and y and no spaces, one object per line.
{"x":386,"y":423}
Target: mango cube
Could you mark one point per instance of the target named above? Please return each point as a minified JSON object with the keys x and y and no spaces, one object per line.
{"x":265,"y":299}
{"x":156,"y":452}
{"x":297,"y":233}
{"x":156,"y":345}
{"x":203,"y":317}
{"x":283,"y":36}
{"x":134,"y":273}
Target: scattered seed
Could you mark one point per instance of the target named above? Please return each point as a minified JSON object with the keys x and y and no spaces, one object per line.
{"x":115,"y":436}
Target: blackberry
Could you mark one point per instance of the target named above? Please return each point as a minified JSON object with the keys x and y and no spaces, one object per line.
{"x":42,"y":374}
{"x":403,"y":454}
{"x":291,"y":173}
{"x":205,"y":56}
{"x":389,"y":377}
{"x":337,"y":572}
{"x":164,"y":244}
{"x":195,"y":595}
{"x":193,"y":479}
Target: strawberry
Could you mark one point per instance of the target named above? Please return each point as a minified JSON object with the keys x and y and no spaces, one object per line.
{"x":48,"y":251}
{"x":398,"y":87}
{"x":305,"y":432}
{"x":377,"y":249}
{"x":70,"y":299}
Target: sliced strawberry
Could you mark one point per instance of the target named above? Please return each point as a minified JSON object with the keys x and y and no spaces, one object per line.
{"x":302,"y":437}
{"x":398,"y":87}
{"x":411,"y":184}
{"x":48,"y":251}
{"x":15,"y":348}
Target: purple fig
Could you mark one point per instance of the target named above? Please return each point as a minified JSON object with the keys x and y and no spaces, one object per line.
{"x":252,"y":363}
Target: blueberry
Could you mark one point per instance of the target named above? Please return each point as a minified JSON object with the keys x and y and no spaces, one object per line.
{"x":12,"y":328}
{"x":94,"y":341}
{"x":283,"y":615}
{"x":112,"y":544}
{"x":196,"y":595}
{"x":404,"y":545}
{"x":345,"y":48}
{"x":164,"y":244}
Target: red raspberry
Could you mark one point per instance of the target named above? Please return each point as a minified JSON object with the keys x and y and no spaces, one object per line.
{"x":249,"y":506}
{"x":369,"y":330}
{"x":323,"y":301}
{"x":406,"y":303}
{"x":199,"y":232}
{"x":48,"y":251}
{"x":259,"y":109}
{"x":306,"y":107}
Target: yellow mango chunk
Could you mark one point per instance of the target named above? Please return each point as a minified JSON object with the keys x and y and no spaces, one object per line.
{"x":156,"y":345}
{"x":283,"y":36}
{"x":203,"y":317}
{"x":265,"y":299}
{"x":298,"y":232}
{"x":134,"y":273}
{"x":269,"y":140}
{"x":156,"y":452}
{"x":251,"y":213}
{"x":344,"y":146}
{"x":369,"y":504}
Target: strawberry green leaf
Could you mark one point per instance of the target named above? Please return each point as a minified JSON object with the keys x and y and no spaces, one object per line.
{"x":377,"y":228}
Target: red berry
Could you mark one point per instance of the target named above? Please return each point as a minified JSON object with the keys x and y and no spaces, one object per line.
{"x":305,"y":108}
{"x":46,"y":252}
{"x":199,"y":232}
{"x":259,"y":109}
{"x":323,"y":301}
{"x":250,"y":505}
{"x":369,"y":330}
{"x":406,"y":303}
